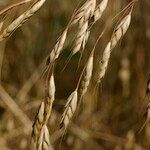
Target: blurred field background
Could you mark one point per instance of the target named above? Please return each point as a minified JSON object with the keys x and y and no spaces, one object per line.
{"x":111,"y":117}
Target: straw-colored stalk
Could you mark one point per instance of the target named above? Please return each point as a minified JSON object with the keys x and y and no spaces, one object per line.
{"x":21,"y":19}
{"x":119,"y":32}
{"x":70,"y":108}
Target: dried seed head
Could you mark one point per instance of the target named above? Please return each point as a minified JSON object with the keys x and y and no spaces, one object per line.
{"x":86,"y":10}
{"x":119,"y":32}
{"x":70,"y":109}
{"x":21,"y":19}
{"x":86,"y":77}
{"x":58,"y":47}
{"x":81,"y":35}
{"x":52,"y":87}
{"x":37,"y":126}
{"x":99,"y":10}
{"x":44,"y":140}
{"x":49,"y":98}
{"x":86,"y":37}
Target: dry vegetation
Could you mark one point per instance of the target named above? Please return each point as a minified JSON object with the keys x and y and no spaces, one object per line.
{"x":75,"y":74}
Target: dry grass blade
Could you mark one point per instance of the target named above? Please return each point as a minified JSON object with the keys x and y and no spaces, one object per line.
{"x":21,"y":19}
{"x":70,"y":108}
{"x":119,"y":32}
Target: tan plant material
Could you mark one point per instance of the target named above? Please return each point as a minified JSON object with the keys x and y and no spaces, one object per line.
{"x":87,"y":9}
{"x":5,"y":10}
{"x":118,"y":33}
{"x":80,"y":90}
{"x":99,"y":10}
{"x":21,"y":19}
{"x":44,"y":140}
{"x":44,"y":111}
{"x":86,"y":77}
{"x":58,"y":47}
{"x":81,"y":16}
{"x":96,"y":16}
{"x":70,"y":108}
{"x":82,"y":34}
{"x":84,"y":28}
{"x":1,"y":25}
{"x":50,"y":97}
{"x":38,"y":123}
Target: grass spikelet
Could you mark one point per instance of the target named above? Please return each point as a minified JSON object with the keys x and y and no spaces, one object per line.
{"x":97,"y":13}
{"x":86,"y":37}
{"x":86,"y":77}
{"x":83,"y":27}
{"x":58,"y":47}
{"x":81,"y":35}
{"x":21,"y":19}
{"x":118,"y":33}
{"x":70,"y":108}
{"x":49,"y":99}
{"x":44,"y":140}
{"x":99,"y":10}
{"x":37,"y":126}
{"x":87,"y":9}
{"x":44,"y":112}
